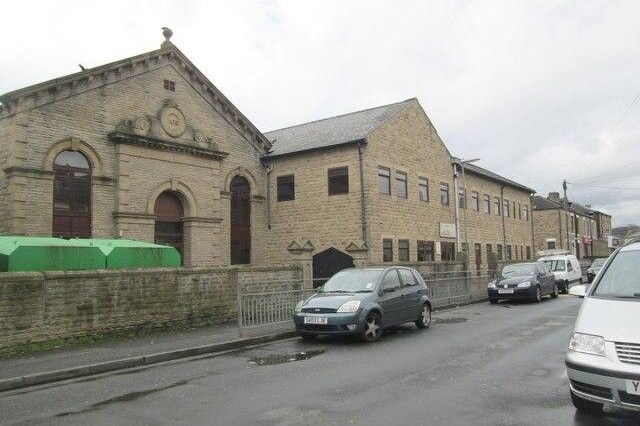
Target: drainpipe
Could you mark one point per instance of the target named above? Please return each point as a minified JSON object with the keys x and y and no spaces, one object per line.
{"x":504,"y":228}
{"x":363,"y":217}
{"x":269,"y":170}
{"x":560,"y":228}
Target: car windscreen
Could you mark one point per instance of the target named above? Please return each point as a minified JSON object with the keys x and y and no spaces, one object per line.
{"x":351,"y":281}
{"x":597,"y":263}
{"x":555,"y":265}
{"x":621,"y":278}
{"x":518,"y":270}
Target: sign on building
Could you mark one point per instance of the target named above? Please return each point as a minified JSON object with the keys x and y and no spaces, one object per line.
{"x":447,"y":230}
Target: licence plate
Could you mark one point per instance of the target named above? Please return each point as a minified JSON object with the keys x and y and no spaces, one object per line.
{"x":633,"y":387}
{"x":315,"y":320}
{"x":505,"y":291}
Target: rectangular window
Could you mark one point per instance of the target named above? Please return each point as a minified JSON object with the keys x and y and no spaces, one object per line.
{"x":509,"y":252}
{"x":528,"y":252}
{"x":519,"y":211}
{"x":425,"y":251}
{"x":448,"y":251}
{"x":486,"y":203}
{"x":403,"y":250}
{"x":514,"y":209}
{"x":338,"y":180}
{"x":423,"y":188}
{"x":525,"y":213}
{"x":444,"y":194}
{"x":170,"y":85}
{"x":384,"y":180}
{"x":401,"y":184}
{"x":462,"y":202}
{"x":387,"y":250}
{"x":286,"y":188}
{"x":499,"y":251}
{"x":522,"y":252}
{"x":496,"y":205}
{"x":475,"y":201}
{"x":505,"y":208}
{"x":551,"y":245}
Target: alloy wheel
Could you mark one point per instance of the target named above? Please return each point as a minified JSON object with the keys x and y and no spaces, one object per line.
{"x":373,"y":329}
{"x":425,"y":317}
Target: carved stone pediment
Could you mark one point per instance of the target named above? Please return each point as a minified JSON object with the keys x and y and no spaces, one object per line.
{"x":357,"y":247}
{"x":167,"y":129}
{"x":300,"y":245}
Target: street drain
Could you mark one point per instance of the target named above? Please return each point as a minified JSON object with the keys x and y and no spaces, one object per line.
{"x":452,"y":320}
{"x":274,"y":359}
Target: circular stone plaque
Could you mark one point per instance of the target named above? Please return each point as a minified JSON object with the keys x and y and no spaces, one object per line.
{"x":172,"y":121}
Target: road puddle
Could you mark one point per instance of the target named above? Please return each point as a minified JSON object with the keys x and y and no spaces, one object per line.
{"x":273,"y":359}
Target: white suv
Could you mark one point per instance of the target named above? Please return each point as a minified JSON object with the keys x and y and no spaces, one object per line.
{"x":566,"y":269}
{"x":603,"y":361}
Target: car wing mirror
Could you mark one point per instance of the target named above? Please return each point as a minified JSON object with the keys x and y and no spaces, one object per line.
{"x":578,"y":290}
{"x":388,"y":289}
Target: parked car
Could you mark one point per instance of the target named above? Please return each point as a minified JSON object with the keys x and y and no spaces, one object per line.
{"x":603,"y":360}
{"x":531,"y":280}
{"x":566,"y":269}
{"x":363,"y":301}
{"x":595,"y":267}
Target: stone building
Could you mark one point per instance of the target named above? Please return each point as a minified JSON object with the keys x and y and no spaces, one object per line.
{"x":144,"y":148}
{"x":566,"y":225}
{"x":148,"y":148}
{"x":379,"y":185}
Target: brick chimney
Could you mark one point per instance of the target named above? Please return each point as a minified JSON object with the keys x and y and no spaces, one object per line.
{"x":554,"y":196}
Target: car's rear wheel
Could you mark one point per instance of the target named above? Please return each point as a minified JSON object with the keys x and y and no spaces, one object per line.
{"x":538,"y":296}
{"x":565,"y":287}
{"x":424,"y":321}
{"x":372,"y":327}
{"x":586,"y":406}
{"x":554,"y":293}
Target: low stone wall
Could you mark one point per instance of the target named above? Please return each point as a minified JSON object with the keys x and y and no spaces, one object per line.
{"x":40,"y":306}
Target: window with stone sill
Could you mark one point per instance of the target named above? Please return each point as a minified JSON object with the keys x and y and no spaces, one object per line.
{"x":423,"y":189}
{"x":475,"y":201}
{"x":286,"y":188}
{"x":387,"y":250}
{"x":338,"y":180}
{"x":403,"y":250}
{"x":401,"y":184}
{"x":444,"y":194}
{"x":384,"y":180}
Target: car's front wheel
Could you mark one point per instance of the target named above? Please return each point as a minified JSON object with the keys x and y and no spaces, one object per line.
{"x":424,"y":321}
{"x":586,"y":406}
{"x":538,"y":297}
{"x":372,"y":327}
{"x":554,"y":293}
{"x":565,"y":287}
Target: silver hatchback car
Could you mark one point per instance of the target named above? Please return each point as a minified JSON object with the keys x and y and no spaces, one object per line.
{"x":603,"y":361}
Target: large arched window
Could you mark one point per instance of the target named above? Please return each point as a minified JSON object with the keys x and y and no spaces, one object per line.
{"x":169,"y":215}
{"x":240,"y":221}
{"x":71,"y":195}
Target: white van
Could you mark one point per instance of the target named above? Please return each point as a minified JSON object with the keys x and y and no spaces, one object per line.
{"x":566,"y":269}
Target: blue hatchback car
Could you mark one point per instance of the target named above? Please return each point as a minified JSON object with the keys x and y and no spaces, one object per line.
{"x":363,"y":301}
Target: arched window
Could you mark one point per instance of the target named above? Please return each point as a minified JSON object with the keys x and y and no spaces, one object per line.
{"x":71,"y":195}
{"x":240,"y":221}
{"x":169,"y":214}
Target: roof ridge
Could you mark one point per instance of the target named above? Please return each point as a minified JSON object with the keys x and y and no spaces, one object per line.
{"x":340,"y":115}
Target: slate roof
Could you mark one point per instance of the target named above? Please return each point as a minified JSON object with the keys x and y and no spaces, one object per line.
{"x":542,"y":203}
{"x":472,"y":168}
{"x":330,"y":132}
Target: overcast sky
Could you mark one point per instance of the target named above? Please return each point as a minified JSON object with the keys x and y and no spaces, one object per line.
{"x":541,"y":91}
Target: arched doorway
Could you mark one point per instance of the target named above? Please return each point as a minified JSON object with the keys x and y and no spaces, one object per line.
{"x":327,"y":263}
{"x":168,"y":227}
{"x":71,"y":195}
{"x":240,"y":221}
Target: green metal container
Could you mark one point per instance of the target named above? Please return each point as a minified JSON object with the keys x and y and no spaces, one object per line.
{"x":19,"y":253}
{"x":133,"y":254}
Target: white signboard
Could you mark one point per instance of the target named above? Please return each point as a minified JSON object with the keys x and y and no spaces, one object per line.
{"x":447,"y":230}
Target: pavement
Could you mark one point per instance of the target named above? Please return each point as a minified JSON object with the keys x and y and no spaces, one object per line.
{"x":72,"y":362}
{"x":480,"y":365}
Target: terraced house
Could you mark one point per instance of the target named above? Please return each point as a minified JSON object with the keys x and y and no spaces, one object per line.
{"x":379,"y":185}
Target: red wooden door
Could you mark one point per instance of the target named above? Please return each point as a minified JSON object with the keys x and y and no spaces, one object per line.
{"x":168,"y":228}
{"x":240,"y":221}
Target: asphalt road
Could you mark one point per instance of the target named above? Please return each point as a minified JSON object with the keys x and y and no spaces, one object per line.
{"x":476,"y":365}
